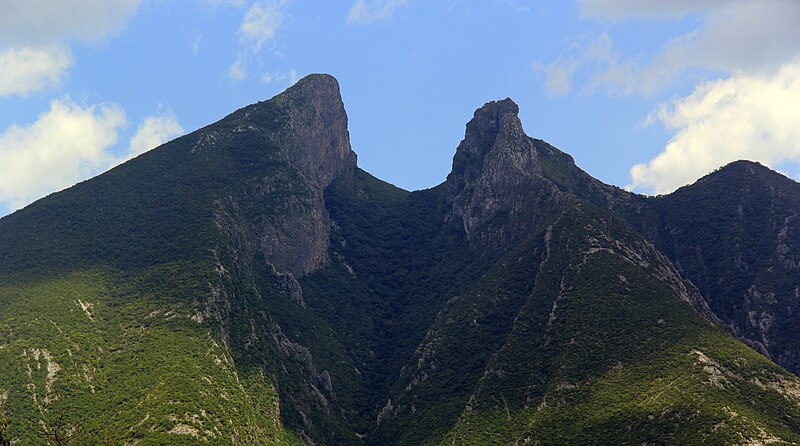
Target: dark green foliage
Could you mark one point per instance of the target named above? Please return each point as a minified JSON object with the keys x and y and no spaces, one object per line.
{"x":150,"y":305}
{"x":4,"y":440}
{"x":734,"y":234}
{"x":109,"y":282}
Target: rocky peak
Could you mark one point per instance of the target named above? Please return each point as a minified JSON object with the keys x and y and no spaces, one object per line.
{"x":494,"y":130}
{"x":305,"y":126}
{"x":303,"y":129}
{"x":497,"y":172}
{"x":319,"y":142}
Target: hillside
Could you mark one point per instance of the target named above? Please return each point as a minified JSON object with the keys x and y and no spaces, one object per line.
{"x":248,"y":284}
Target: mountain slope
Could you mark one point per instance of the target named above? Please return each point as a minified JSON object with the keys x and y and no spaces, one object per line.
{"x":249,"y":284}
{"x":580,"y":316}
{"x":734,"y":234}
{"x":140,"y":246}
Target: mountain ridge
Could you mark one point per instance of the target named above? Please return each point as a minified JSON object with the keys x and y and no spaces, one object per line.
{"x":248,"y":283}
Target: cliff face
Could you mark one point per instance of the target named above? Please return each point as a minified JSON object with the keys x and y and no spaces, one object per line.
{"x":304,"y":144}
{"x":497,"y":179}
{"x":314,"y":137}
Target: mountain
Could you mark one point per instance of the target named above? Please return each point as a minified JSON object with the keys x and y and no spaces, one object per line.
{"x":736,"y":235}
{"x":248,"y":284}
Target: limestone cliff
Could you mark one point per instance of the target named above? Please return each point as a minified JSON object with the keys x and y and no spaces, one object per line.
{"x":497,"y":178}
{"x":302,"y":140}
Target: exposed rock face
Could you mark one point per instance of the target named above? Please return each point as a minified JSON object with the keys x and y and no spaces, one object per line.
{"x":275,"y":228}
{"x":303,"y":134}
{"x":513,"y":304}
{"x":497,"y":177}
{"x":316,"y":140}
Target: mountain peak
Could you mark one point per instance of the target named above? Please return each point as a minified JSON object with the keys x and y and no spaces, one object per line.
{"x":498,"y":108}
{"x":315,"y":86}
{"x":743,"y":174}
{"x":494,"y":127}
{"x":496,"y":170}
{"x":314,"y":126}
{"x":494,"y":118}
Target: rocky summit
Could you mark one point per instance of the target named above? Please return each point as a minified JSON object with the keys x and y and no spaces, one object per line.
{"x":248,"y":284}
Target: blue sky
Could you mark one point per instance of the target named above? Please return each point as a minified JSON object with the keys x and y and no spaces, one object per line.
{"x":648,"y":95}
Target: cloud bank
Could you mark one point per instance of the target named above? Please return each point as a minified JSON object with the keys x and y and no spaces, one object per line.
{"x":32,"y":69}
{"x":69,"y":143}
{"x":34,"y":36}
{"x":751,"y":47}
{"x":751,"y":36}
{"x":742,"y":117}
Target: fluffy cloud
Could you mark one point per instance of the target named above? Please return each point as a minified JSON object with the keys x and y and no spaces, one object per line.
{"x":66,"y":144}
{"x":260,"y":25}
{"x":735,"y":36}
{"x":69,"y":143}
{"x":750,"y":112}
{"x":34,"y":35}
{"x":152,"y":132}
{"x":747,"y":116}
{"x":33,"y":69}
{"x":364,"y":12}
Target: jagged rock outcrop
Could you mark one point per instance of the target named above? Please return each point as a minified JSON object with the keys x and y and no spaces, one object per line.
{"x":497,"y":179}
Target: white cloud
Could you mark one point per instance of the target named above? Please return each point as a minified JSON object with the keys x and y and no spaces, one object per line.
{"x":34,"y":35}
{"x":364,"y":12}
{"x":25,"y":70}
{"x":748,"y":116}
{"x":278,"y":76}
{"x":261,"y":23}
{"x":33,"y":22}
{"x":152,"y":132}
{"x":69,"y":143}
{"x":66,"y":144}
{"x":752,"y":36}
{"x":237,"y":70}
{"x":259,"y":26}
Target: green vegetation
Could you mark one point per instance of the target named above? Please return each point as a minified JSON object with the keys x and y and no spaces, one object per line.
{"x":117,"y":360}
{"x":734,"y":234}
{"x":169,"y":301}
{"x":4,"y":440}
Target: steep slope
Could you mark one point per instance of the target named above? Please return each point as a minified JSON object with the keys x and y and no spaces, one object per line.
{"x":248,"y":284}
{"x":579,"y":332}
{"x":118,"y":307}
{"x":736,"y":235}
{"x":733,"y":234}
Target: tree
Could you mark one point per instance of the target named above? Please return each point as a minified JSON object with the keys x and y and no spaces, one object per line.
{"x":60,"y":432}
{"x":4,"y":440}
